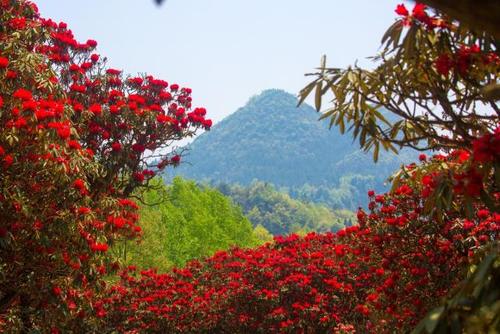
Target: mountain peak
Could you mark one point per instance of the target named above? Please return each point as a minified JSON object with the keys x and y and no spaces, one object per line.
{"x":273,"y":96}
{"x":272,"y":140}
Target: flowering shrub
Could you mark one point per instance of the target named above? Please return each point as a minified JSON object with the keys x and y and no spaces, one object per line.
{"x":381,"y":275}
{"x":76,"y":139}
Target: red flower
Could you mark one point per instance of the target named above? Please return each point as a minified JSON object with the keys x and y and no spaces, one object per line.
{"x":8,"y":160}
{"x":139,"y":148}
{"x":56,"y":290}
{"x":4,"y":62}
{"x":487,"y":148}
{"x":84,"y":210}
{"x":116,"y":146}
{"x":74,"y":144}
{"x":99,"y":247}
{"x":139,"y":177}
{"x":11,"y":75}
{"x":64,"y":132}
{"x":443,"y":64}
{"x":18,"y":23}
{"x":483,"y":214}
{"x":419,"y":12}
{"x":112,"y":71}
{"x":401,"y":10}
{"x":176,"y":159}
{"x":96,"y":109}
{"x":23,"y":94}
{"x":207,"y":123}
{"x":469,"y":183}
{"x":79,"y":184}
{"x":91,"y":43}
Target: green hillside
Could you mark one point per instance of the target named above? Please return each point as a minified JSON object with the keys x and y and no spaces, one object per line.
{"x":271,"y":140}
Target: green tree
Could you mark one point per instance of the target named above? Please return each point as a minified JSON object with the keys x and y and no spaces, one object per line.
{"x":187,"y":221}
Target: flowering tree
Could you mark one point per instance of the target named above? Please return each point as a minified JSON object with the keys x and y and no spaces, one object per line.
{"x":429,"y":92}
{"x":435,"y":88}
{"x":76,"y":140}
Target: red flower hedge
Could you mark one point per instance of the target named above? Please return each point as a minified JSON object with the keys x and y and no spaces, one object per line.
{"x":380,"y":276}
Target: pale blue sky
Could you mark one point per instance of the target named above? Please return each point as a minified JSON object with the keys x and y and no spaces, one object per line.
{"x":227,"y":50}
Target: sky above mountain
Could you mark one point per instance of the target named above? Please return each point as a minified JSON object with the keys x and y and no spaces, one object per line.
{"x":226,"y":50}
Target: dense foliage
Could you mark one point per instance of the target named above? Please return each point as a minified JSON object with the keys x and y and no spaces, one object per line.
{"x":280,"y":214}
{"x":273,"y":141}
{"x":75,"y":141}
{"x":379,"y":276}
{"x":185,"y":221}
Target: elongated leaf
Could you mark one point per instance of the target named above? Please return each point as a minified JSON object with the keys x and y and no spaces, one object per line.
{"x":304,"y":92}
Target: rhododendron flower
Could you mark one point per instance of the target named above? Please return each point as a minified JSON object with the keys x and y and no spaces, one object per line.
{"x":443,"y":64}
{"x":84,"y":210}
{"x":23,"y":94}
{"x":207,"y":124}
{"x":419,"y":12}
{"x":113,"y":71}
{"x":11,"y":74}
{"x":99,"y":247}
{"x":116,"y":146}
{"x":4,"y":62}
{"x":469,"y":183}
{"x":138,"y":176}
{"x":139,"y":148}
{"x":64,"y":131}
{"x":401,"y":10}
{"x":8,"y":160}
{"x":96,"y":109}
{"x":91,"y":43}
{"x":79,"y":184}
{"x":176,"y":159}
{"x":487,"y":148}
{"x":56,"y":290}
{"x":74,"y":144}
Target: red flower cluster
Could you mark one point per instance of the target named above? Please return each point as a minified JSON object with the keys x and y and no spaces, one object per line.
{"x":487,"y":148}
{"x":419,"y":15}
{"x":74,"y":141}
{"x":376,"y":278}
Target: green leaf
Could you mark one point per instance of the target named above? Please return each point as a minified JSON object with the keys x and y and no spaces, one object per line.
{"x":432,"y":319}
{"x":304,"y":92}
{"x":376,"y":151}
{"x":317,"y":98}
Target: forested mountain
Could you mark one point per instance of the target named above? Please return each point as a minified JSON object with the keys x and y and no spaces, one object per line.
{"x":271,"y":140}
